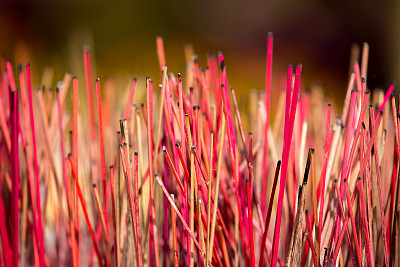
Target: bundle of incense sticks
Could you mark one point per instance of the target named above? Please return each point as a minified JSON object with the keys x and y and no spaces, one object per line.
{"x":185,"y":184}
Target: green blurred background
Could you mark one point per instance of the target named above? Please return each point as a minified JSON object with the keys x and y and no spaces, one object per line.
{"x":318,"y":34}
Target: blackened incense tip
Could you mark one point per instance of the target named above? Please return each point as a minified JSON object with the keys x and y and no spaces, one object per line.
{"x":74,"y":78}
{"x":172,"y":196}
{"x":222,"y":85}
{"x":363,"y":125}
{"x":363,"y":79}
{"x":163,"y":149}
{"x":359,"y":178}
{"x":94,"y":185}
{"x":381,"y":112}
{"x":367,"y":91}
{"x":222,"y":65}
{"x":247,"y":179}
{"x":300,"y":192}
{"x":212,"y":132}
{"x":142,"y":104}
{"x":19,"y":68}
{"x":392,"y":95}
{"x":186,"y":115}
{"x":134,"y":79}
{"x":177,"y":144}
{"x":198,"y":107}
{"x":312,"y":150}
{"x":193,"y":147}
{"x":150,"y":80}
{"x":335,"y":180}
{"x":191,"y":88}
{"x":57,"y":90}
{"x":97,"y":79}
{"x":136,"y":153}
{"x":27,"y":64}
{"x":250,"y":133}
{"x":125,"y":144}
{"x":345,"y":180}
{"x":120,"y":145}
{"x":86,"y":48}
{"x":194,"y":107}
{"x":111,"y":166}
{"x":270,"y":34}
{"x":69,"y":155}
{"x":306,"y":211}
{"x":398,"y":115}
{"x":329,"y":104}
{"x":179,"y":75}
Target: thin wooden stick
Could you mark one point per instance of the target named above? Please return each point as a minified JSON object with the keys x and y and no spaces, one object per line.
{"x":217,"y":184}
{"x":102,"y":220}
{"x":153,"y":228}
{"x":250,"y":217}
{"x":269,"y":212}
{"x":309,"y":237}
{"x":176,"y":255}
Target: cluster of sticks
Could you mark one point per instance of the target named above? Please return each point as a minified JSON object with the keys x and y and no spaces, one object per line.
{"x":188,"y":187}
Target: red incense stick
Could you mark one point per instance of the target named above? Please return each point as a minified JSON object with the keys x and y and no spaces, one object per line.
{"x":83,"y":204}
{"x":14,"y":114}
{"x":102,"y":155}
{"x":268,"y":75}
{"x":285,"y":161}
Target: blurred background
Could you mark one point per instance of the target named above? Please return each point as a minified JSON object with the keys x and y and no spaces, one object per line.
{"x":318,"y":34}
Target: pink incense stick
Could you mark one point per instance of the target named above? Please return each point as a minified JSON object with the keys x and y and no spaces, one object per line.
{"x":388,"y":94}
{"x":102,"y":155}
{"x":14,"y":114}
{"x":249,"y":210}
{"x":285,"y":161}
{"x":75,"y":153}
{"x":268,"y":74}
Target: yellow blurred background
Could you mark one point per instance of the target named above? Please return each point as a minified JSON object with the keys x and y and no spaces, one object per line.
{"x":318,"y":34}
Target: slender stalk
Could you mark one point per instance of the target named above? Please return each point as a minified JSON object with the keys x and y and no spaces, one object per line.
{"x":217,"y":184}
{"x":83,"y":204}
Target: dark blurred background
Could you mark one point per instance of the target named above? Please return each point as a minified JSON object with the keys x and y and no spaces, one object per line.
{"x":318,"y":34}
